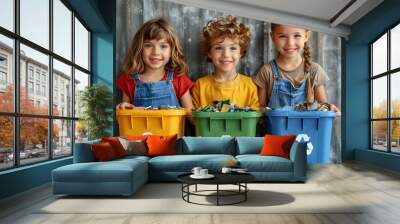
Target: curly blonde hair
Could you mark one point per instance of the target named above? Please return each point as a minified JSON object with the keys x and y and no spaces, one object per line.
{"x":155,"y":29}
{"x":306,"y":49}
{"x":226,"y":27}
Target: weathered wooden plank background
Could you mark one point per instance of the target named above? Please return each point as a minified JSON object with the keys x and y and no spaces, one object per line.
{"x":188,"y":21}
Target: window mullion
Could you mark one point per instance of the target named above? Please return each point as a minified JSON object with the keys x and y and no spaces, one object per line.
{"x":371,"y":89}
{"x":50,"y":88}
{"x":16,"y":84}
{"x":73,"y":81}
{"x":389,"y":106}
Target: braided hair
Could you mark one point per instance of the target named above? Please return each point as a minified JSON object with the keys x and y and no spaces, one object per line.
{"x":307,"y":57}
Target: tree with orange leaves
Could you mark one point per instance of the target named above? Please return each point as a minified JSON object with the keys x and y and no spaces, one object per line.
{"x":33,"y":130}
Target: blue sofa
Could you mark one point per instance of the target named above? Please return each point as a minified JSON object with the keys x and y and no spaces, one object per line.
{"x":125,"y":176}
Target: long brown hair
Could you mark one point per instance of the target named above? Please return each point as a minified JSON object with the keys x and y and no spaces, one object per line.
{"x":155,"y":29}
{"x":306,"y":50}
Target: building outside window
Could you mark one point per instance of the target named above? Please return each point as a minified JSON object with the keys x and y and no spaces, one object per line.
{"x":3,"y":72}
{"x":37,"y":75}
{"x":385,"y":96}
{"x":3,"y":77}
{"x":3,"y":61}
{"x":57,"y":124}
{"x":43,"y":90}
{"x":30,"y":72}
{"x":30,"y":87}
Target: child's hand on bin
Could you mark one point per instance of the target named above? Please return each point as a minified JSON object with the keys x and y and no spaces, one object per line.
{"x":125,"y":105}
{"x":336,"y":109}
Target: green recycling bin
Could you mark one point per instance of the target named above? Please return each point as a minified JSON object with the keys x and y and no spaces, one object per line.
{"x":226,"y":123}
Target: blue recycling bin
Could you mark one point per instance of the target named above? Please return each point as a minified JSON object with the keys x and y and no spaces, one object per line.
{"x":316,"y":124}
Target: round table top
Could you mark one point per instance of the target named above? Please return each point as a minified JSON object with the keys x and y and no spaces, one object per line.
{"x":220,"y":178}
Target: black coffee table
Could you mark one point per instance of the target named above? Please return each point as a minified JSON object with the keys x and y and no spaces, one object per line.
{"x":238,"y":179}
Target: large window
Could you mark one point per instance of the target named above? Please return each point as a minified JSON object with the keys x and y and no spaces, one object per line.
{"x":44,"y":64}
{"x":385,"y":94}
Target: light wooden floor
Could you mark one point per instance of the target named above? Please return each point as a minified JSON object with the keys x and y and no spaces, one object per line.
{"x":378,"y":188}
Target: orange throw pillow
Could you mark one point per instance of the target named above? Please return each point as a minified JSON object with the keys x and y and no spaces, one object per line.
{"x":161,"y":145}
{"x":103,"y":151}
{"x":277,"y":145}
{"x":116,"y":145}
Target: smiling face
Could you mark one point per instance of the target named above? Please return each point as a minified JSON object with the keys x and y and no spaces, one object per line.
{"x":225,"y":55}
{"x":289,"y":41}
{"x":156,"y":54}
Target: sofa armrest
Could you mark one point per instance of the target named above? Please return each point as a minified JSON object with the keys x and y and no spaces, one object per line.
{"x":299,"y":158}
{"x":83,"y":152}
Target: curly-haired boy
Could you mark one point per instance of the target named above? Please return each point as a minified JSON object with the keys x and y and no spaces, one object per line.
{"x":225,"y":41}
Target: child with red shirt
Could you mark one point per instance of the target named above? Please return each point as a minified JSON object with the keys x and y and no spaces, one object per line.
{"x":155,"y":70}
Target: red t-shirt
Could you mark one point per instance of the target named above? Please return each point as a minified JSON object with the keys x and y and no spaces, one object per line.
{"x":181,"y":85}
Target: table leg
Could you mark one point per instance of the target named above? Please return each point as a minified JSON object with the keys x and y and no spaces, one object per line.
{"x":217,"y":194}
{"x":245,"y":193}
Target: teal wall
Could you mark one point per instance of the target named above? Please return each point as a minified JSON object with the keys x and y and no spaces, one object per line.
{"x":99,"y":15}
{"x":356,"y":93}
{"x":24,"y":178}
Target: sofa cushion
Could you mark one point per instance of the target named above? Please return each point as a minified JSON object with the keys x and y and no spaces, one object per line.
{"x":275,"y":145}
{"x":257,"y":163}
{"x":83,"y":152}
{"x":249,"y":145}
{"x":118,"y":171}
{"x":185,"y":163}
{"x":134,"y":147}
{"x":161,"y":145}
{"x":208,"y":145}
{"x":103,"y":151}
{"x":116,"y":145}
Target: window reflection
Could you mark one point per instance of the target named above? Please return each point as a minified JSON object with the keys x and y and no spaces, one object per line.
{"x":379,"y":135}
{"x":6,"y":74}
{"x":33,"y":140}
{"x":81,"y":45}
{"x":395,"y":95}
{"x":35,"y":21}
{"x":81,"y":81}
{"x":379,"y":98}
{"x":81,"y":131}
{"x":7,"y":14}
{"x":395,"y":47}
{"x":379,"y":57}
{"x":6,"y":142}
{"x":62,"y":91}
{"x":36,"y":62}
{"x":62,"y":138}
{"x":62,"y":29}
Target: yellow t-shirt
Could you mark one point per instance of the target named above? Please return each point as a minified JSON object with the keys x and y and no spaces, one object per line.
{"x":241,"y":91}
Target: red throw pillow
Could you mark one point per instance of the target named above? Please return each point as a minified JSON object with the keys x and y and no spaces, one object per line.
{"x":116,"y":145}
{"x":103,"y":151}
{"x":161,"y":145}
{"x":277,"y":145}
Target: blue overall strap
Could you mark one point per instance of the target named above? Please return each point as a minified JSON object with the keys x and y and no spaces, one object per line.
{"x":275,"y":69}
{"x":136,"y":78}
{"x":170,"y":75}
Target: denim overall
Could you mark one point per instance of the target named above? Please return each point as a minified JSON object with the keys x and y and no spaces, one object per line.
{"x":284,"y":94}
{"x":155,"y":94}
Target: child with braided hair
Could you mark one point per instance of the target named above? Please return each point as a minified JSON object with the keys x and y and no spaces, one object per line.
{"x":292,"y":78}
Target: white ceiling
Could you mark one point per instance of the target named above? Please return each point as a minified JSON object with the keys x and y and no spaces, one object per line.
{"x":318,"y":15}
